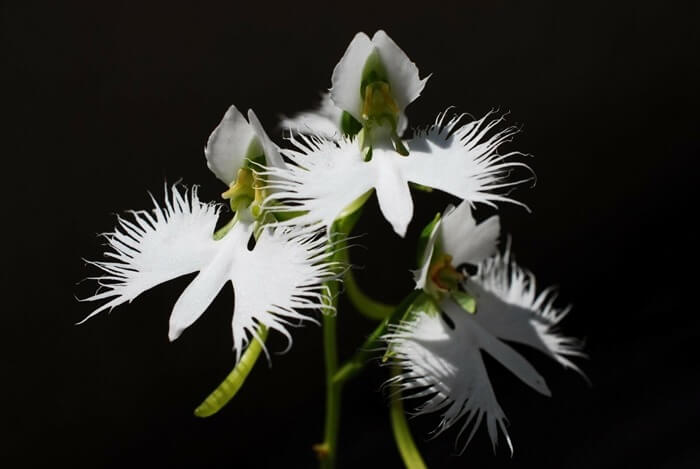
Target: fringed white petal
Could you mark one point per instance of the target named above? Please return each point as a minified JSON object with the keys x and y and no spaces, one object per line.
{"x":462,"y":160}
{"x":347,"y":75}
{"x":227,"y":145}
{"x":279,"y":282}
{"x":326,"y":177}
{"x":466,"y":241}
{"x":276,"y":283}
{"x":230,"y":252}
{"x":324,"y":121}
{"x":444,"y":368}
{"x":509,"y":306}
{"x":153,"y":247}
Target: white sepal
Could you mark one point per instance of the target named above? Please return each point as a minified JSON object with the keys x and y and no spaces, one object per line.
{"x":324,"y":121}
{"x":466,"y":241}
{"x":347,"y":76}
{"x":420,"y":275}
{"x":228,"y":144}
{"x":458,"y":235}
{"x":405,"y":83}
{"x":402,"y":74}
{"x":272,"y":151}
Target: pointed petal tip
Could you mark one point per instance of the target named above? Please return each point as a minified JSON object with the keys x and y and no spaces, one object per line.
{"x":173,"y":333}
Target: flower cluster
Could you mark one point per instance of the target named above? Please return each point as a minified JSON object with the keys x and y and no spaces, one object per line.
{"x":283,"y":249}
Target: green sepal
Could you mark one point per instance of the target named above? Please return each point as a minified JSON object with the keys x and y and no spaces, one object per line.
{"x":355,"y":205}
{"x":349,"y":125}
{"x":464,"y":300}
{"x":420,"y":187}
{"x":234,"y":381}
{"x":424,"y":238}
{"x":221,"y":232}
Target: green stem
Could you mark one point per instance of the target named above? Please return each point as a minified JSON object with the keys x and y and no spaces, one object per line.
{"x":233,"y":382}
{"x":326,"y":451}
{"x":355,"y":364}
{"x":366,"y":305}
{"x":402,"y":434}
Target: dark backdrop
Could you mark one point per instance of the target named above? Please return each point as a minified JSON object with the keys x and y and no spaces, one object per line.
{"x":106,"y":102}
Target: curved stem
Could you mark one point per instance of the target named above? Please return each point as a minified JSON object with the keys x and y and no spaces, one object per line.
{"x":357,"y":362}
{"x":402,"y":434}
{"x":366,"y":305}
{"x":233,"y":382}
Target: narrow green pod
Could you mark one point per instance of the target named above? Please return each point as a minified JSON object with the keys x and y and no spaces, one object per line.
{"x":233,"y":382}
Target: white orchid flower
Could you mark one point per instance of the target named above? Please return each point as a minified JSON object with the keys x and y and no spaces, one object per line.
{"x":328,"y":176}
{"x":440,"y":352}
{"x":364,"y":57}
{"x":446,"y":247}
{"x":236,"y":140}
{"x":276,"y":283}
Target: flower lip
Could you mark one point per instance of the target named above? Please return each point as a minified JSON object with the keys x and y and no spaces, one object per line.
{"x":276,"y":283}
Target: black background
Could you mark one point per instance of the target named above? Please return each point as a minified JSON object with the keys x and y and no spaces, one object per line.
{"x":106,"y":102}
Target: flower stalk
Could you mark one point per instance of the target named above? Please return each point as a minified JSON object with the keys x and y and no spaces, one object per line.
{"x":234,"y":381}
{"x":402,"y":434}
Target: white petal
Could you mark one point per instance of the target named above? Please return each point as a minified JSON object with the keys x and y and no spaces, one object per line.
{"x":157,"y":246}
{"x":206,"y":285}
{"x":420,"y":276}
{"x":393,"y":193}
{"x":272,"y":151}
{"x":464,"y":240}
{"x":461,"y":160}
{"x":277,"y":281}
{"x":445,"y":367}
{"x":324,"y":121}
{"x":406,"y":86}
{"x":228,"y":144}
{"x":347,"y":76}
{"x":509,"y":307}
{"x":326,"y":177}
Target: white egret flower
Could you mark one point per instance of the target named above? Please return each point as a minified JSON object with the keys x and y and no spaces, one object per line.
{"x":234,"y":141}
{"x":276,"y":283}
{"x":446,"y":247}
{"x":328,"y":176}
{"x":365,"y":61}
{"x":440,"y":352}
